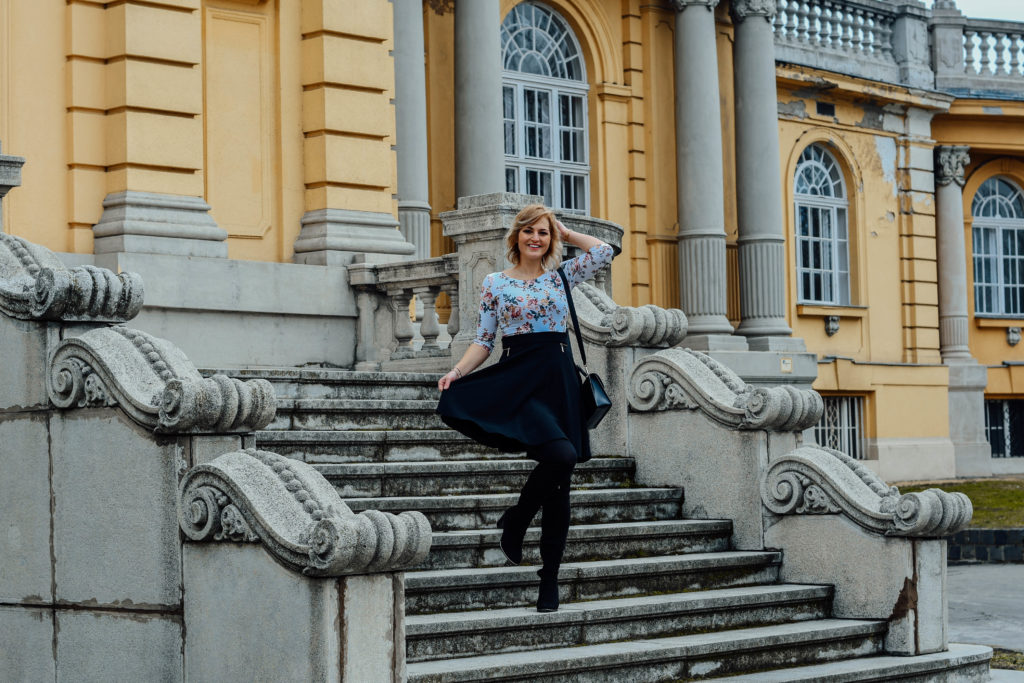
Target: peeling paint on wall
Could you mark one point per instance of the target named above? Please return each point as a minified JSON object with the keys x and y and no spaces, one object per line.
{"x":797,"y":108}
{"x":886,"y":148}
{"x":998,"y":111}
{"x":874,"y":116}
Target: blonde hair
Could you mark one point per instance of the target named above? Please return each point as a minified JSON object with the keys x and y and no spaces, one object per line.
{"x":525,"y":218}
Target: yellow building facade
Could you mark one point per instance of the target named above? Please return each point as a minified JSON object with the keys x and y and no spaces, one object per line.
{"x":279,"y":117}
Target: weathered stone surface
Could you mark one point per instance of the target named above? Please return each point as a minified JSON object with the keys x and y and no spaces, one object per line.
{"x":105,"y":646}
{"x":604,"y":322}
{"x":157,"y":223}
{"x":115,"y":530}
{"x":368,"y":628}
{"x":26,"y":644}
{"x":24,"y":509}
{"x":236,"y":591}
{"x":154,"y":383}
{"x":336,"y":237}
{"x":299,"y":517}
{"x":24,"y":345}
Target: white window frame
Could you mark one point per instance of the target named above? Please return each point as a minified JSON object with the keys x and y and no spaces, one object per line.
{"x":991,"y":270}
{"x":835,"y":275}
{"x":842,"y":425}
{"x":518,"y":162}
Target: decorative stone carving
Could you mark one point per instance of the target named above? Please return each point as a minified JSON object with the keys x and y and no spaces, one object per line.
{"x":685,"y":379}
{"x":605,"y":322}
{"x":813,"y":480}
{"x":680,"y":5}
{"x":1013,"y":336}
{"x":154,"y":383}
{"x":35,"y":285}
{"x":831,"y":324}
{"x":291,"y":509}
{"x":741,"y":9}
{"x":950,"y":161}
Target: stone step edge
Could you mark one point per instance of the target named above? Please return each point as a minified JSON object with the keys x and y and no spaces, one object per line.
{"x":326,"y":375}
{"x":610,"y":609}
{"x":625,"y":531}
{"x":485,"y":501}
{"x":646,"y":651}
{"x":356,"y":405}
{"x":582,"y":571}
{"x":874,"y":668}
{"x":426,"y":467}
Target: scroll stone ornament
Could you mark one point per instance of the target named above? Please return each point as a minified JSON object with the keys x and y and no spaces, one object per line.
{"x":684,"y":379}
{"x":606,"y":323}
{"x":297,"y":515}
{"x":154,"y":383}
{"x":35,"y":285}
{"x":741,"y":9}
{"x":950,"y":161}
{"x":813,"y":480}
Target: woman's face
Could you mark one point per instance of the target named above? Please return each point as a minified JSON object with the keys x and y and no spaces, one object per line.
{"x":535,"y":240}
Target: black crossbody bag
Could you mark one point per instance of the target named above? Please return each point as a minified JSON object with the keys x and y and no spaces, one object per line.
{"x":594,"y":399}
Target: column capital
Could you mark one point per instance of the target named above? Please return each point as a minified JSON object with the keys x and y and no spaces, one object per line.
{"x":680,"y":5}
{"x":949,"y":164}
{"x":741,"y":9}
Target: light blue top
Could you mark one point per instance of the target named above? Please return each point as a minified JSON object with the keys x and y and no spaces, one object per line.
{"x":525,"y":306}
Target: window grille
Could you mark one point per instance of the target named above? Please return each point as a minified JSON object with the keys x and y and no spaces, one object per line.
{"x":544,"y":96}
{"x":1004,"y":427}
{"x":998,"y":245}
{"x":822,"y":244}
{"x":842,"y":425}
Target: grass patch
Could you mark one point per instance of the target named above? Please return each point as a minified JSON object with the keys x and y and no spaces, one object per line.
{"x":998,"y":503}
{"x":1007,"y":659}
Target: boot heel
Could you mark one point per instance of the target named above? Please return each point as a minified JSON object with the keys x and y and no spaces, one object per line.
{"x":547,"y":595}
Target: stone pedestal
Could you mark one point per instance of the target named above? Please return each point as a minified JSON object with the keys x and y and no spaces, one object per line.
{"x":338,"y":237}
{"x":10,"y":176}
{"x":152,"y":223}
{"x":971,"y":449}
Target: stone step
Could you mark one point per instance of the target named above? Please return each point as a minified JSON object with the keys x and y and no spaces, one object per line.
{"x":337,"y":414}
{"x":479,"y":547}
{"x":462,"y":634}
{"x":336,"y":383}
{"x":481,"y":511}
{"x":447,"y":590}
{"x":368,"y":446}
{"x":688,"y":657}
{"x":467,"y":476}
{"x":959,"y":663}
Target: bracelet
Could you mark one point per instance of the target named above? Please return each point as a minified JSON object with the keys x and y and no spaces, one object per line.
{"x":457,"y":371}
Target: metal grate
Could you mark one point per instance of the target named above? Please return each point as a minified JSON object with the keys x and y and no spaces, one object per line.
{"x":842,"y":425}
{"x":1004,"y":427}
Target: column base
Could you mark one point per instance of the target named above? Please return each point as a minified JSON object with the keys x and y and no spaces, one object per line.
{"x":971,"y":450}
{"x":782,"y":344}
{"x":770,"y":368}
{"x":153,"y":223}
{"x":715,"y":342}
{"x":338,"y":237}
{"x":414,"y":219}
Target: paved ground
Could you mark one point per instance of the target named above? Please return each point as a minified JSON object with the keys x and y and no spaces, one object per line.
{"x":986,"y":605}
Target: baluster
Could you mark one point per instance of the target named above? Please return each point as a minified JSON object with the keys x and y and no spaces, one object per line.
{"x":452,"y":290}
{"x":848,"y":22}
{"x":779,"y":21}
{"x":835,"y":40}
{"x":886,"y":37}
{"x":1000,"y":47}
{"x":969,"y":67}
{"x":986,"y":58}
{"x":1015,"y":45}
{"x":792,"y":19}
{"x":399,"y":301}
{"x":429,"y":329}
{"x":860,"y":32}
{"x":805,"y":22}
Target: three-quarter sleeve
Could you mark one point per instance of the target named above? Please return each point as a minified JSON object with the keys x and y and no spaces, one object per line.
{"x":587,"y":264}
{"x":487,"y":327}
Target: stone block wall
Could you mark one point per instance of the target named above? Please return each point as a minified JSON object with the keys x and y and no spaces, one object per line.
{"x":986,"y":545}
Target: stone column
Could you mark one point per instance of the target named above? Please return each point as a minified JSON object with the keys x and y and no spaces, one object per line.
{"x":10,"y":176}
{"x":699,"y":179}
{"x":758,"y":181}
{"x":479,"y":136}
{"x":411,"y":124}
{"x":967,"y":379}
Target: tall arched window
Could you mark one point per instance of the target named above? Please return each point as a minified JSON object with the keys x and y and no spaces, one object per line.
{"x":545,"y":103}
{"x":822,"y":233}
{"x":998,"y":240}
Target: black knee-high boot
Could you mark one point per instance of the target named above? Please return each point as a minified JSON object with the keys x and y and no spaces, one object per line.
{"x":556,"y":460}
{"x":553,"y":534}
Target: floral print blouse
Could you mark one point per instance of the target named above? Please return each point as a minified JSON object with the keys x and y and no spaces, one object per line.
{"x":524,"y":306}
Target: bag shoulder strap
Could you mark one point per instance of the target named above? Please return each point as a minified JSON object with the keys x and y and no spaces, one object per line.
{"x":572,"y":313}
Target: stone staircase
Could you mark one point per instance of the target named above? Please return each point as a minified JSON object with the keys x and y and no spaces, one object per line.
{"x":646,"y":596}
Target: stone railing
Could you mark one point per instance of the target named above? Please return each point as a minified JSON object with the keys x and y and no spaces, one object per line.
{"x":738,"y":452}
{"x":980,"y":57}
{"x":849,"y":36}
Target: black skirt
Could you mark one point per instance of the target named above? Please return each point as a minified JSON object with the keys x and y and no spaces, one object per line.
{"x":529,"y":397}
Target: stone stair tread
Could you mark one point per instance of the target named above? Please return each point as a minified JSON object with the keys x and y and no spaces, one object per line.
{"x":592,"y":610}
{"x":358,"y":404}
{"x":874,"y":668}
{"x":458,"y":466}
{"x":361,"y":436}
{"x":497,"y":500}
{"x":640,"y":652}
{"x":584,"y":531}
{"x":569,"y":570}
{"x":324,"y":375}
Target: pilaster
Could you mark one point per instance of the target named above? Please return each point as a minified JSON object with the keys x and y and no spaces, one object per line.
{"x":135,"y":129}
{"x":761,"y":242}
{"x":479,"y":137}
{"x":348,"y":82}
{"x":10,"y":177}
{"x":700,"y":178}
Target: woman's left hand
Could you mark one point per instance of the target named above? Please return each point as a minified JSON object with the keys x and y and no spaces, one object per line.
{"x":562,"y":230}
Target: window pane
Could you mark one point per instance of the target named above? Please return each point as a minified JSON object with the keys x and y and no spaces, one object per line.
{"x":509,"y":109}
{"x":539,"y":182}
{"x":573,"y":192}
{"x":511,"y":179}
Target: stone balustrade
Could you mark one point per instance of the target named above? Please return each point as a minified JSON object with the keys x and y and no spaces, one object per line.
{"x":994,"y":49}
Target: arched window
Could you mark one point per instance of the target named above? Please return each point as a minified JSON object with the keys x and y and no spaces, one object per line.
{"x":998,"y":240}
{"x":544,"y":89}
{"x":822,"y":233}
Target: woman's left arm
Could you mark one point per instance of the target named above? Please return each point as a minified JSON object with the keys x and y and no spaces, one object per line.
{"x":577,"y":239}
{"x":596,"y":255}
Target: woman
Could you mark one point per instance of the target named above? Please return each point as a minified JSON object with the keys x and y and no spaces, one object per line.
{"x":529,"y":400}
